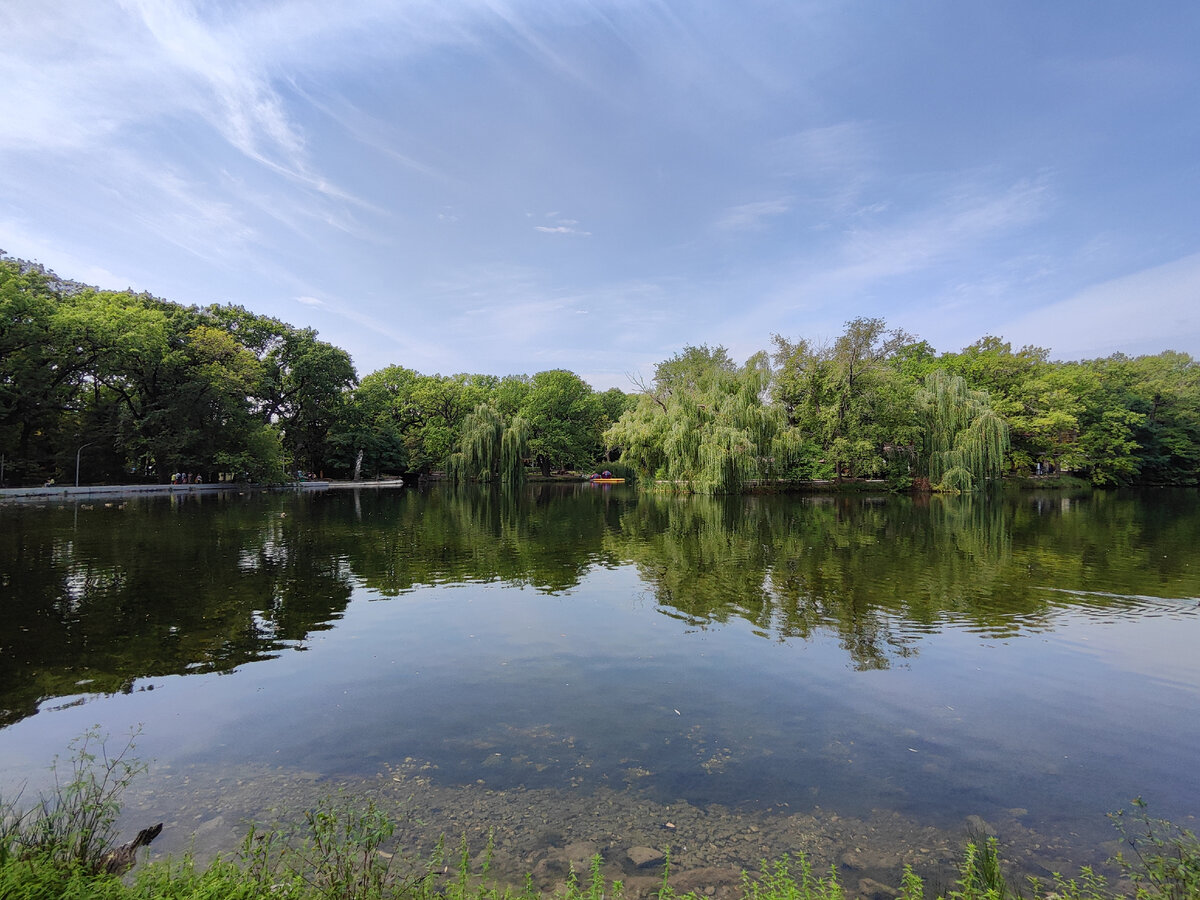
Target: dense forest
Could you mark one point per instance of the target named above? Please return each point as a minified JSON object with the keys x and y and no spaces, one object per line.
{"x":131,"y":387}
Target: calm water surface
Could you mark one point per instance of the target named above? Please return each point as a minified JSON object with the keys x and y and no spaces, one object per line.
{"x":939,"y":657}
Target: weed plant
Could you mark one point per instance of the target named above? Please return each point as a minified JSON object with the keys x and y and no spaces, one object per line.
{"x":74,"y":823}
{"x":1164,"y":858}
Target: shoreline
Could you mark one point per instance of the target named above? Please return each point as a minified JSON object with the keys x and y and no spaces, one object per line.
{"x":830,"y":486}
{"x":546,"y":832}
{"x":61,"y":492}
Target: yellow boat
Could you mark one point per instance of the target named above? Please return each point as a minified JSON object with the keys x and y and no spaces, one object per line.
{"x":607,"y":480}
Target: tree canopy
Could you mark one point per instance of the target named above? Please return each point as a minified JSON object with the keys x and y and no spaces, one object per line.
{"x":138,"y":387}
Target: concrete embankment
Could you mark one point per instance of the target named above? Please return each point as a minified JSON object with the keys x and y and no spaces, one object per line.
{"x":68,"y":492}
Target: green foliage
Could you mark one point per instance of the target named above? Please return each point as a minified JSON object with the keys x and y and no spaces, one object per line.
{"x":1163,"y":393}
{"x":596,"y":888}
{"x":38,"y":371}
{"x":564,"y":421}
{"x":260,"y":459}
{"x":342,"y":855}
{"x":1165,"y":860}
{"x":778,"y":882}
{"x":853,"y":399}
{"x":73,"y":825}
{"x":964,"y":441}
{"x":979,"y":873}
{"x":343,"y":851}
{"x":491,"y":450}
{"x":306,"y":384}
{"x":1088,"y":885}
{"x":957,"y":480}
{"x":705,"y":426}
{"x":377,"y":419}
{"x":151,"y":387}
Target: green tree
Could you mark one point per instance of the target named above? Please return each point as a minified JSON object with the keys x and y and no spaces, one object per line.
{"x":708,"y":430}
{"x":373,"y":422}
{"x":565,"y":420}
{"x":439,"y":404}
{"x":490,"y":449}
{"x":39,"y":373}
{"x":1022,"y":390}
{"x":964,"y":441}
{"x":510,"y":393}
{"x":180,"y":382}
{"x":308,"y":380}
{"x":852,"y":401}
{"x":1166,"y":389}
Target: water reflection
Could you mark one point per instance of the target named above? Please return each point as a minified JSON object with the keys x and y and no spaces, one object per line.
{"x":96,"y":598}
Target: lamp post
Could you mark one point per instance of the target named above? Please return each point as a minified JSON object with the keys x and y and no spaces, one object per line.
{"x":77,"y":453}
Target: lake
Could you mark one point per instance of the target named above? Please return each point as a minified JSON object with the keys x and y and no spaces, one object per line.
{"x":862,"y":677}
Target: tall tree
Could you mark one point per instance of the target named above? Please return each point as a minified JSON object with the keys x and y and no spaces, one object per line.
{"x":490,"y":449}
{"x":564,"y":419}
{"x":964,"y":440}
{"x":181,"y":383}
{"x":374,"y":420}
{"x":852,"y":400}
{"x":1166,"y":388}
{"x":709,"y":432}
{"x":38,"y":371}
{"x":308,"y":381}
{"x":1017,"y":385}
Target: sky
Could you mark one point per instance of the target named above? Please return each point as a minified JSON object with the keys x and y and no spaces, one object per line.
{"x":506,"y":187}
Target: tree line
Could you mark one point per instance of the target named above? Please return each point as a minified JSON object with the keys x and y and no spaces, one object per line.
{"x":134,"y":387}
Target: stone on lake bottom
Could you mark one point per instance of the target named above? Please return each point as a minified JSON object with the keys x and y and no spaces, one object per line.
{"x":644,"y":857}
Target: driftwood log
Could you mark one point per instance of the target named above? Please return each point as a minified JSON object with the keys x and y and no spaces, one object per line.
{"x":120,"y":860}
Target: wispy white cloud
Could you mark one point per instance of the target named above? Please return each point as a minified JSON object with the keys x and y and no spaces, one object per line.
{"x":560,"y":229}
{"x":960,"y":220}
{"x":753,"y":216}
{"x":63,"y":68}
{"x":1148,"y":311}
{"x":232,"y":92}
{"x":561,"y":226}
{"x":825,"y":150}
{"x":310,"y":301}
{"x":358,"y":152}
{"x":843,"y":277}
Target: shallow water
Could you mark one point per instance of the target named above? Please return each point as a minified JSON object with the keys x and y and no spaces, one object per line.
{"x":819,"y":669}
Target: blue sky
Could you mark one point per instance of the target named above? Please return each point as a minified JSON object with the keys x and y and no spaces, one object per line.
{"x":506,"y":186}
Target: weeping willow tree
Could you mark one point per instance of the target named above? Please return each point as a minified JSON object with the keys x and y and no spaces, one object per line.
{"x":708,"y":433}
{"x":964,"y":440}
{"x":489,"y":450}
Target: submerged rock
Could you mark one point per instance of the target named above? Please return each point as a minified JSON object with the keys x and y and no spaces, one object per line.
{"x":644,"y":857}
{"x":977,"y":825}
{"x":875,"y":890}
